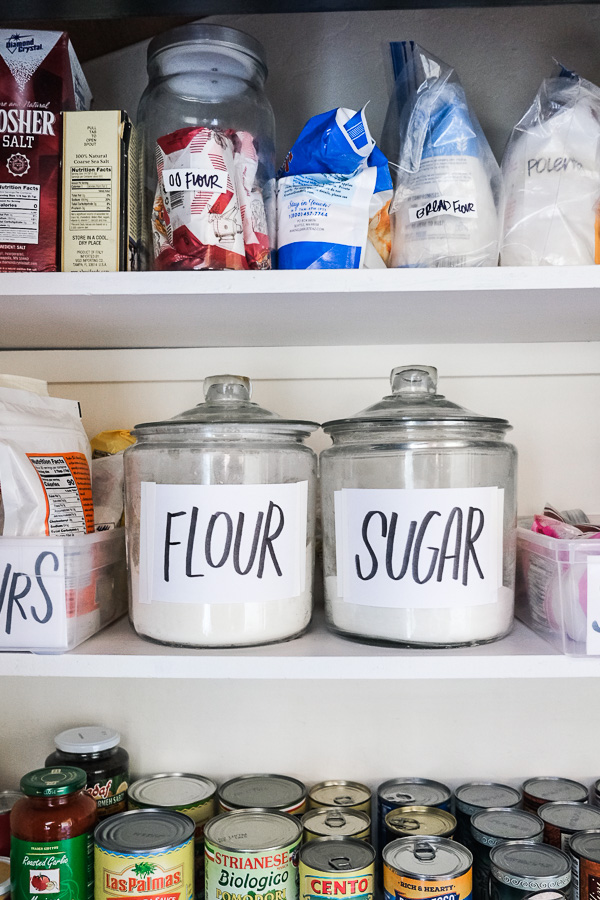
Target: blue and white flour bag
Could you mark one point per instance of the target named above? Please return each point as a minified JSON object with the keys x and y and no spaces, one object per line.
{"x":333,"y":196}
{"x":447,"y":203}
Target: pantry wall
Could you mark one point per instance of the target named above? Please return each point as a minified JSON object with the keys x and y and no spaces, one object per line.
{"x":362,"y":727}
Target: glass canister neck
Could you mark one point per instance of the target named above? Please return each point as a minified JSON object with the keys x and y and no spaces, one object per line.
{"x":410,"y":380}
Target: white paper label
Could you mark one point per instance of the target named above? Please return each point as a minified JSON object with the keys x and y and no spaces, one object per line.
{"x":222,"y":543}
{"x":204,"y":179}
{"x":421,"y":548}
{"x":593,"y":605}
{"x":32,"y":595}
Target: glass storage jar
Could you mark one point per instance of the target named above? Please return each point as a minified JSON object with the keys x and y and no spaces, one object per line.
{"x":419,"y":519}
{"x":219,"y":518}
{"x":208,"y":135}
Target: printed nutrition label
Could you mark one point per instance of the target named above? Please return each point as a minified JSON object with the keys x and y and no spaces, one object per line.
{"x":66,"y":482}
{"x":91,"y":198}
{"x":19,"y":213}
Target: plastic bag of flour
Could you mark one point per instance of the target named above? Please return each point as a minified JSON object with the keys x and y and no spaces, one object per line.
{"x":552,"y":177}
{"x":45,"y":459}
{"x":448,"y":188}
{"x":333,"y":194}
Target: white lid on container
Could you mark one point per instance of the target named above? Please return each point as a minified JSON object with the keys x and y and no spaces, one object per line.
{"x":88,"y":739}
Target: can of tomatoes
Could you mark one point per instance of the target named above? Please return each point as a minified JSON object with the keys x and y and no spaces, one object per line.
{"x":337,"y":867}
{"x":277,"y":792}
{"x":340,"y":794}
{"x":417,"y":867}
{"x":328,"y":822}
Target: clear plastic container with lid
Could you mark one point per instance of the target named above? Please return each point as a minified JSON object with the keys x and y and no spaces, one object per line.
{"x":419,"y":519}
{"x":220,"y":511}
{"x":209,"y":159}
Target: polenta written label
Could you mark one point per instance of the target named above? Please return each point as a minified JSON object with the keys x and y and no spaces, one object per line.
{"x":160,"y":876}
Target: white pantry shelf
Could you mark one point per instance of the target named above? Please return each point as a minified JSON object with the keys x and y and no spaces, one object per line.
{"x":298,"y":308}
{"x":117,"y":652}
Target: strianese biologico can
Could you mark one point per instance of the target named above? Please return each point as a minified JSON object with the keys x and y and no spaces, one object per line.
{"x":408,"y":792}
{"x":523,"y":867}
{"x":337,"y":867}
{"x":561,"y":820}
{"x":418,"y":867}
{"x":144,"y":854}
{"x":276,"y":792}
{"x":490,"y":827}
{"x":341,"y":795}
{"x":252,"y":854}
{"x":410,"y":821}
{"x":584,"y":850}
{"x":193,"y":795}
{"x":475,"y":795}
{"x":548,"y":789}
{"x":328,"y":822}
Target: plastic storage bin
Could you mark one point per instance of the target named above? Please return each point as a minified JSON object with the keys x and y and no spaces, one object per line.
{"x":558,"y":589}
{"x":56,"y":592}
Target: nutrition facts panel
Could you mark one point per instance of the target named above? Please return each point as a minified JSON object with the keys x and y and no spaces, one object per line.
{"x":91,"y":197}
{"x":66,"y":483}
{"x":19,"y":213}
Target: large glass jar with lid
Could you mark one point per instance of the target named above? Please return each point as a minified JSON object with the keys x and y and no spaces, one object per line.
{"x":419,"y":519}
{"x":219,"y":516}
{"x":208,"y":136}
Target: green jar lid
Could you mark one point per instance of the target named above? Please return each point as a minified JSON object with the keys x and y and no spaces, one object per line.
{"x":55,"y":781}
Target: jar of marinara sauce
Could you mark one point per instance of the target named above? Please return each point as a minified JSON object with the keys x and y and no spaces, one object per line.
{"x":51,"y":828}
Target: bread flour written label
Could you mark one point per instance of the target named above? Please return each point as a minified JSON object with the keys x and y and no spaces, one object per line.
{"x":421,"y":548}
{"x":216,"y":543}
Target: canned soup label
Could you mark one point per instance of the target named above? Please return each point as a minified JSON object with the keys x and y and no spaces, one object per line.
{"x":355,"y":885}
{"x":402,"y":887}
{"x":164,"y":876}
{"x":263,"y":875}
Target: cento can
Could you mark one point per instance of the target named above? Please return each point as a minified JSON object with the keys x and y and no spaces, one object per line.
{"x":584,"y":850}
{"x":490,"y":827}
{"x":341,"y":795}
{"x":252,"y":854}
{"x":193,"y":795}
{"x":547,"y":789}
{"x":337,"y":867}
{"x":561,"y":820}
{"x":276,"y":792}
{"x":408,"y":821}
{"x":328,"y":822}
{"x":518,"y":868}
{"x":476,"y":795}
{"x":408,"y":792}
{"x":144,"y":854}
{"x":418,"y":867}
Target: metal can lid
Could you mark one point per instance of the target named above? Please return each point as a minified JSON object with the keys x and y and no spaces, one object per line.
{"x":55,"y":781}
{"x":432,"y":857}
{"x":88,"y":739}
{"x":570,"y":816}
{"x":337,"y":854}
{"x":262,"y":791}
{"x":554,"y":789}
{"x":327,"y":821}
{"x":586,"y":844}
{"x":414,"y":792}
{"x":490,"y":826}
{"x":140,"y":831}
{"x":252,"y":830}
{"x":339,"y":793}
{"x":539,"y":865}
{"x":8,"y":800}
{"x":477,"y":795}
{"x":412,"y":820}
{"x":171,"y":789}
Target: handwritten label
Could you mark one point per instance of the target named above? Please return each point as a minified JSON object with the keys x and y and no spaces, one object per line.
{"x":593,"y":606}
{"x":443,"y":206}
{"x":32,"y":595}
{"x":547,"y":164}
{"x":421,"y":548}
{"x":222,"y":543}
{"x":205,"y":179}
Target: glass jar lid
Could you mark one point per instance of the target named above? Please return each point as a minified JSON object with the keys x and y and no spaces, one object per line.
{"x":55,"y":781}
{"x":414,"y":401}
{"x":212,"y":37}
{"x":228,"y":407}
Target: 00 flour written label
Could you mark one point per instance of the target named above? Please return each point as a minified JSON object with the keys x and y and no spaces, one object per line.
{"x":420,"y":548}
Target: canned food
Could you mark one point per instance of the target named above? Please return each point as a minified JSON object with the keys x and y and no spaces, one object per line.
{"x":432,"y":866}
{"x":476,"y":795}
{"x":595,"y":798}
{"x":193,"y":795}
{"x":252,"y":854}
{"x":490,"y":827}
{"x":561,"y":820}
{"x":521,"y":867}
{"x":344,"y":794}
{"x":337,"y":867}
{"x":407,"y":821}
{"x":328,"y":822}
{"x":144,"y":853}
{"x":584,"y":850}
{"x":4,"y":878}
{"x":408,"y":792}
{"x":537,"y":791}
{"x":276,"y":792}
{"x":7,"y":801}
